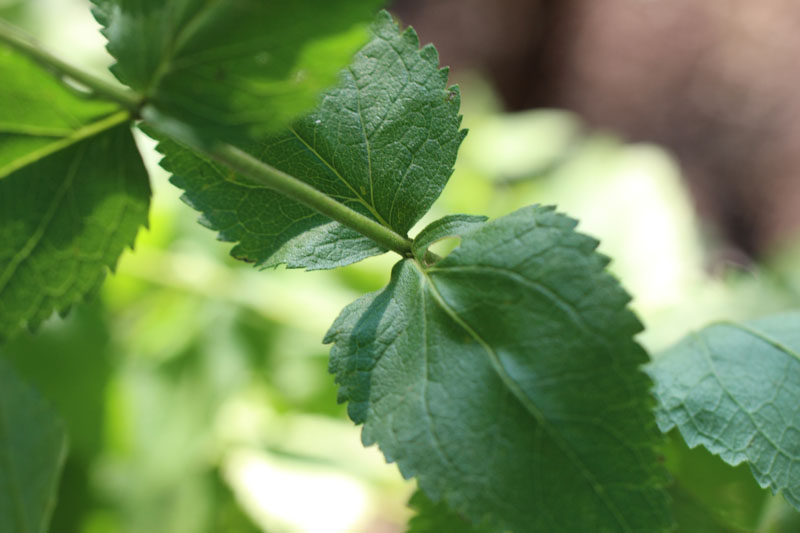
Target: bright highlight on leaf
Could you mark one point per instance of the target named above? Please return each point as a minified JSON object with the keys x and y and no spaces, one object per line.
{"x":33,"y":446}
{"x":733,"y":388}
{"x":506,"y":379}
{"x":233,"y":69}
{"x":38,"y":113}
{"x":64,"y":220}
{"x":382,"y":142}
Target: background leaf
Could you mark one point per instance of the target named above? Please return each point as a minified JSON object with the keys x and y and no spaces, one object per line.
{"x":63,"y":220}
{"x":708,"y":496}
{"x":733,"y":389}
{"x":505,"y":378}
{"x":383,"y":142}
{"x":32,"y":449}
{"x":232,"y":68}
{"x":70,"y":364}
{"x":38,"y":113}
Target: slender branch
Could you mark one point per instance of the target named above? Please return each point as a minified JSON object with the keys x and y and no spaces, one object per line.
{"x":265,"y":175}
{"x":26,"y":44}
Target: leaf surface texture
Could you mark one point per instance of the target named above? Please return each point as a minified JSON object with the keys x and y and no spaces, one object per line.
{"x":733,"y":388}
{"x":506,"y":379}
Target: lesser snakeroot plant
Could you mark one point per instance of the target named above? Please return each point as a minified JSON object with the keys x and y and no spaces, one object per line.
{"x":504,"y":377}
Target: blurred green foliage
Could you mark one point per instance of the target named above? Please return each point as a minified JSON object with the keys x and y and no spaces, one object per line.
{"x":195,"y":388}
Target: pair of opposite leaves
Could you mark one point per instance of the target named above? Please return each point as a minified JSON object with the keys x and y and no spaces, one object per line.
{"x":495,"y":376}
{"x":504,"y":377}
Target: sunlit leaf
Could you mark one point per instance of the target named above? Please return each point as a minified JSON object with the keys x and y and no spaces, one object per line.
{"x":64,"y":220}
{"x":38,"y":113}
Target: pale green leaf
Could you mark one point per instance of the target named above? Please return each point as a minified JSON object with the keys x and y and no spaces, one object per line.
{"x":735,"y":389}
{"x":64,"y":220}
{"x":33,"y":446}
{"x":38,"y":113}
{"x":232,"y":68}
{"x":382,"y":142}
{"x":506,"y":379}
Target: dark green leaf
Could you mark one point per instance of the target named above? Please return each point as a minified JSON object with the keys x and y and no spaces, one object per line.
{"x":269,"y":229}
{"x":38,"y":113}
{"x":63,"y":220}
{"x":507,"y":380}
{"x":232,"y":68}
{"x":383,"y":142}
{"x":437,"y":518}
{"x":734,"y":388}
{"x":70,"y":365}
{"x":32,"y":450}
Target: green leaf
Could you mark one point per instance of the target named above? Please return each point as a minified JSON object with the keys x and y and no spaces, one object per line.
{"x":383,"y":142}
{"x":38,"y":113}
{"x":449,"y":226}
{"x":79,"y":348}
{"x":63,"y":219}
{"x":733,"y":388}
{"x":708,"y":496}
{"x":437,"y":518}
{"x":33,"y":446}
{"x":269,"y":229}
{"x":232,"y":68}
{"x":506,"y":379}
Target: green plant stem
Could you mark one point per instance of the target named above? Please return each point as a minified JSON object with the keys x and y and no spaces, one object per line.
{"x":26,"y":44}
{"x":268,"y":176}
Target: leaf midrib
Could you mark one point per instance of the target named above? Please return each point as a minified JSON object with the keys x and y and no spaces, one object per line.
{"x":760,"y":335}
{"x":357,"y":195}
{"x":709,"y":356}
{"x":95,"y":128}
{"x":520,"y":395}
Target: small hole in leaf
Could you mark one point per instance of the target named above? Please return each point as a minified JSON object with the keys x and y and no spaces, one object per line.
{"x":444,"y":246}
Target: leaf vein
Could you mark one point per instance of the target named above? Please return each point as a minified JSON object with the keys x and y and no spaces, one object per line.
{"x":527,"y":403}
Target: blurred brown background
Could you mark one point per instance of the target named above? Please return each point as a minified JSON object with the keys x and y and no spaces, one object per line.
{"x":714,"y":82}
